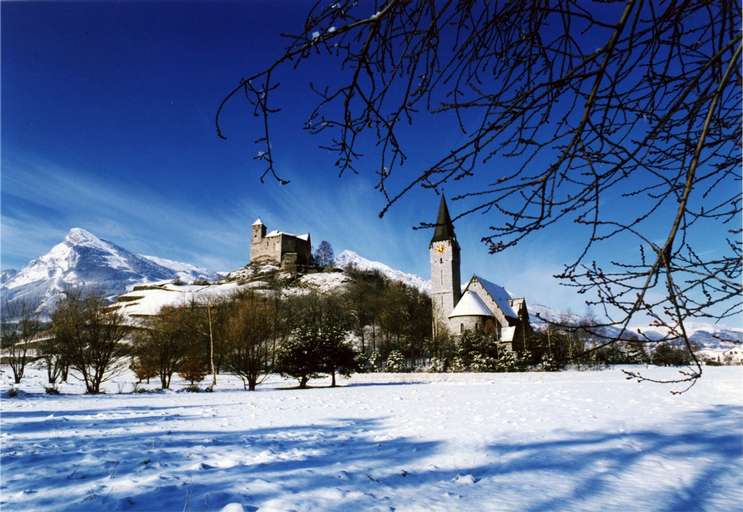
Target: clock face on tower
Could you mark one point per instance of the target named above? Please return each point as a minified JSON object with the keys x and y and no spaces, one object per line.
{"x":440,"y":248}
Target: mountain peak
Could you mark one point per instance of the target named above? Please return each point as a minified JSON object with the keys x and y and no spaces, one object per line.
{"x":80,"y":236}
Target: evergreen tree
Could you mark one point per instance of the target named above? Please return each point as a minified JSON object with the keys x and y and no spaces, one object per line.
{"x":337,"y":356}
{"x":300,"y":356}
{"x":396,"y":362}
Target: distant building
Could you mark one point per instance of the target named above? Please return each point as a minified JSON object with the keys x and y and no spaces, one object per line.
{"x":285,"y":249}
{"x":482,"y":305}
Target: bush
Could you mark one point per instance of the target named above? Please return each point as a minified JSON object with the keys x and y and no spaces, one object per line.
{"x":396,"y":362}
{"x":192,"y":368}
{"x":51,"y":390}
{"x":666,"y":355}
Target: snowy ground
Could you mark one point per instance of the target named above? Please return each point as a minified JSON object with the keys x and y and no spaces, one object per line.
{"x":538,"y":442}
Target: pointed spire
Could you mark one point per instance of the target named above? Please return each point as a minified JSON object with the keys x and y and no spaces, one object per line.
{"x":444,"y":227}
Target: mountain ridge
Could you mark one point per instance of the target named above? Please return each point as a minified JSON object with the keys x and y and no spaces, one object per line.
{"x":83,"y":260}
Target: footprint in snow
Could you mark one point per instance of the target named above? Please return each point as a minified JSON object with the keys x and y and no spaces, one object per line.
{"x":465,"y":479}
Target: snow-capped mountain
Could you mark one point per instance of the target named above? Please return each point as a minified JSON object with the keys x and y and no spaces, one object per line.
{"x":84,"y":260}
{"x":708,"y":337}
{"x":347,"y":258}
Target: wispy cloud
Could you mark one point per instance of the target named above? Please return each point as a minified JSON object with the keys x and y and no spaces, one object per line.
{"x":41,"y":201}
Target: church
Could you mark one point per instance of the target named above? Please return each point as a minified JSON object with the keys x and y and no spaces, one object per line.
{"x":481,"y":306}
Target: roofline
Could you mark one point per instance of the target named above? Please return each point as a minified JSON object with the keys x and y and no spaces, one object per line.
{"x":481,"y":316}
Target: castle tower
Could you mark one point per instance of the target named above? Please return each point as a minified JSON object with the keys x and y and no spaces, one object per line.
{"x":259,"y":233}
{"x":446,"y":288}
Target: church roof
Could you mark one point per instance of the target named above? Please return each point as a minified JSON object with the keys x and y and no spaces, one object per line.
{"x":444,"y":227}
{"x":470,"y":305}
{"x":258,"y":222}
{"x":499,"y":295}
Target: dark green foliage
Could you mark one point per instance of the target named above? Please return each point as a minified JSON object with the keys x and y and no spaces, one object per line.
{"x":666,"y":355}
{"x":316,"y":343}
{"x":300,"y":356}
{"x":388,"y":315}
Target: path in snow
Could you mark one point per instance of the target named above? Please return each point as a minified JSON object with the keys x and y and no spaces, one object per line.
{"x":562,"y":441}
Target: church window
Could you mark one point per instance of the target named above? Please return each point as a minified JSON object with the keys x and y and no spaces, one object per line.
{"x":441,"y":260}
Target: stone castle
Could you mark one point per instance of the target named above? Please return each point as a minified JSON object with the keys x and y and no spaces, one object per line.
{"x":284,"y":249}
{"x":481,"y":305}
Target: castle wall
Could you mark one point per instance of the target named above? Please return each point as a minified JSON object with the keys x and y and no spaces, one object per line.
{"x":302,"y":248}
{"x":269,"y":247}
{"x":278,"y":247}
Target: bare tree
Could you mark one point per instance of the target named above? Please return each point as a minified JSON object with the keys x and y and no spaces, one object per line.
{"x":89,"y":334}
{"x":162,"y":343}
{"x":561,"y":108}
{"x":250,"y":332}
{"x":18,"y":338}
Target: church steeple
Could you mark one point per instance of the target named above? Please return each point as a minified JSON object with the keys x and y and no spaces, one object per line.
{"x":444,"y":227}
{"x":445,"y":279}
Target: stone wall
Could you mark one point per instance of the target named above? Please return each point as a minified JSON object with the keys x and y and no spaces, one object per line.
{"x":445,"y":281}
{"x":266,"y":248}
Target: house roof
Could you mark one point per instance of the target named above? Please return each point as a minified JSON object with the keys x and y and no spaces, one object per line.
{"x":499,"y":295}
{"x":275,"y":232}
{"x":444,"y":227}
{"x":470,"y":305}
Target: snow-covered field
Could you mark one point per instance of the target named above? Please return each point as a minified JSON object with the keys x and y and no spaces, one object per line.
{"x":532,"y":441}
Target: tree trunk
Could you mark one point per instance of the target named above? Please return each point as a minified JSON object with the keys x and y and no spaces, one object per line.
{"x":211,"y":344}
{"x":303,"y":382}
{"x":332,"y":374}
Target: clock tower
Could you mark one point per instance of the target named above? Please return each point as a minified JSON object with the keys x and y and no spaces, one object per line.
{"x":446,"y":286}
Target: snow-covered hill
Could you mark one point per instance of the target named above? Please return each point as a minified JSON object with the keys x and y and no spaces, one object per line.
{"x":350,"y":258}
{"x":84,"y":260}
{"x":709,"y":337}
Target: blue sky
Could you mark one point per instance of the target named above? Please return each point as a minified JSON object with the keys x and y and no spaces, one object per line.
{"x":107,"y":124}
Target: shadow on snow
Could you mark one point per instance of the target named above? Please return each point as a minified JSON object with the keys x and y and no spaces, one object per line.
{"x":351,"y":460}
